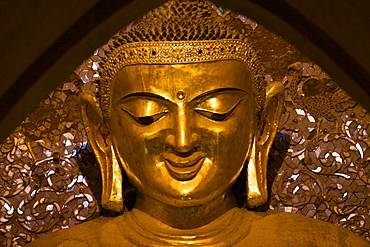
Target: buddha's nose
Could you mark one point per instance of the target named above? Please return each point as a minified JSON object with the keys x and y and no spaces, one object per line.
{"x":182,"y":139}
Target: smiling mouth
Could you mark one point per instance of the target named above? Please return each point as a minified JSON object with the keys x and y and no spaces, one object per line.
{"x":184,"y":168}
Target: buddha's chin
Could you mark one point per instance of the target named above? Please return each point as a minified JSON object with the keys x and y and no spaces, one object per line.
{"x":182,"y":199}
{"x":187,"y":186}
{"x":170,"y":186}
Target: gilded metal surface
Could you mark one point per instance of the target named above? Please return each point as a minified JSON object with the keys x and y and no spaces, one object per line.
{"x":320,"y":153}
{"x":175,"y":150}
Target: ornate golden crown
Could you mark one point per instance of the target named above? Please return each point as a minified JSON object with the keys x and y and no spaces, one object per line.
{"x":178,"y":32}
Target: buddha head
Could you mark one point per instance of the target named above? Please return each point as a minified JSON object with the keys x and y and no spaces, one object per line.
{"x":182,"y":108}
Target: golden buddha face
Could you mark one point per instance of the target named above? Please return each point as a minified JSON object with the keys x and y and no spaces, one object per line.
{"x":182,"y":132}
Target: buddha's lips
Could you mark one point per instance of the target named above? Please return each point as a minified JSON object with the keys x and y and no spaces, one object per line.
{"x":178,"y":161}
{"x":184,"y":168}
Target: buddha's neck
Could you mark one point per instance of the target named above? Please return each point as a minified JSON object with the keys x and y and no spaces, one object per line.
{"x":186,"y":217}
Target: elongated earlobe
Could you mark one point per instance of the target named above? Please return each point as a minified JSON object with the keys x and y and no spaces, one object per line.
{"x":100,"y":141}
{"x":256,"y":181}
{"x":257,"y":193}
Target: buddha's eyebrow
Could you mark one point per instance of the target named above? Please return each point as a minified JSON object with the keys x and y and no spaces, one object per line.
{"x":144,"y":94}
{"x":215,"y":91}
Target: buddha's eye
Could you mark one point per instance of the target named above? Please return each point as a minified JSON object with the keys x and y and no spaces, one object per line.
{"x":214,"y":115}
{"x":220,"y":105}
{"x":147,"y":120}
{"x":145,"y":111}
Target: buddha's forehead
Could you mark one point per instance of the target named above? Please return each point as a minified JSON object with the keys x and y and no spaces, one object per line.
{"x":192,"y":79}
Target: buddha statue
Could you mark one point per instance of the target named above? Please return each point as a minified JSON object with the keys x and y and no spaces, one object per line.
{"x":182,"y":111}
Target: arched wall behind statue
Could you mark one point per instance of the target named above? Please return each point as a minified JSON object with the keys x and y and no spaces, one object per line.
{"x":41,"y":47}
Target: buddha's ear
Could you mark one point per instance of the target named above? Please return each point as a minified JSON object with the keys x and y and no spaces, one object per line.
{"x":257,"y":193}
{"x":100,"y":141}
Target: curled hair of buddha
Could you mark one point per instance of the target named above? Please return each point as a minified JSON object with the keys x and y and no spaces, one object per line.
{"x":179,"y":32}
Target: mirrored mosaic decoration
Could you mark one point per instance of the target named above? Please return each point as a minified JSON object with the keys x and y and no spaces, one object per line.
{"x":319,"y":165}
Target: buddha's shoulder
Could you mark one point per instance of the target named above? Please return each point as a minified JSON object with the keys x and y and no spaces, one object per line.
{"x":272,"y":228}
{"x":275,"y":228}
{"x":90,"y":233}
